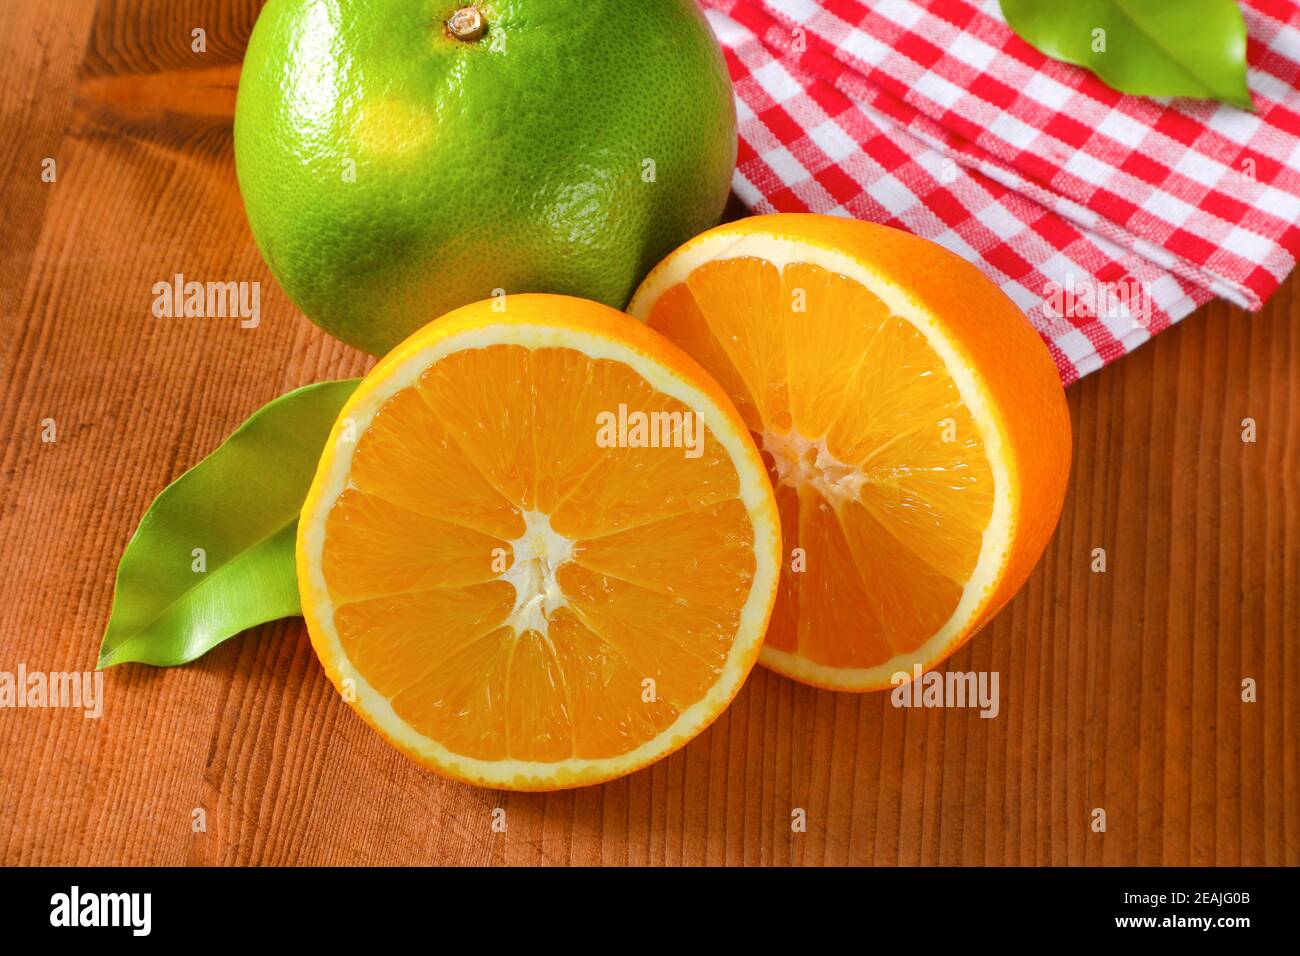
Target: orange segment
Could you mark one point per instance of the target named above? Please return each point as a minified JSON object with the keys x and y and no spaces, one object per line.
{"x":704,"y":556}
{"x":385,"y":636}
{"x":831,"y":340}
{"x":837,"y":625}
{"x":912,"y":424}
{"x":408,"y":453}
{"x":471,"y":679}
{"x":601,"y":680}
{"x":742,"y":303}
{"x":646,"y":629}
{"x":482,"y":397}
{"x":375,"y":548}
{"x":549,"y":552}
{"x":682,"y":322}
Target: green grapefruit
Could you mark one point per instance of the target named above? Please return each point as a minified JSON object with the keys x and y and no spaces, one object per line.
{"x":400,"y":158}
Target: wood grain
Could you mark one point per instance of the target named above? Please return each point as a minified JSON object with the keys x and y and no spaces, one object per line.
{"x":1120,"y":690}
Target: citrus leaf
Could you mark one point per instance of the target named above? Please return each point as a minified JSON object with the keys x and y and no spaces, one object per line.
{"x":1194,"y":48}
{"x":214,"y":554}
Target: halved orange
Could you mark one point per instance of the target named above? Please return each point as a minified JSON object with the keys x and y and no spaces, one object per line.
{"x":541,"y":549}
{"x":911,"y":421}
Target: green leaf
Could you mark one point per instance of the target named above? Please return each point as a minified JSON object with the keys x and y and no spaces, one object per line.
{"x":1194,"y":48}
{"x":240,"y":506}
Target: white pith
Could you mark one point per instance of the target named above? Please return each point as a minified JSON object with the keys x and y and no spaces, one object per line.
{"x":781,"y":252}
{"x":404,"y":368}
{"x":538,"y":554}
{"x":807,"y":461}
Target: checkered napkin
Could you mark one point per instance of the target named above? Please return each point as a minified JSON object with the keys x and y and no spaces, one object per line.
{"x":1105,"y":217}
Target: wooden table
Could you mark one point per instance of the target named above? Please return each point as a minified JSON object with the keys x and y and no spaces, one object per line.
{"x":1120,"y":691}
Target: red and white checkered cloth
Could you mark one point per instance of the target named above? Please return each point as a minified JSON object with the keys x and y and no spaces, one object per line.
{"x":931,"y":115}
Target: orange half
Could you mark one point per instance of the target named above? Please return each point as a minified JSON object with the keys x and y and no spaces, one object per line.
{"x":540,"y":550}
{"x":911,"y":421}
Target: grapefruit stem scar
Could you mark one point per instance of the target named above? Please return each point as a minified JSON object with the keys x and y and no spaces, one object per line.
{"x":466,"y":24}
